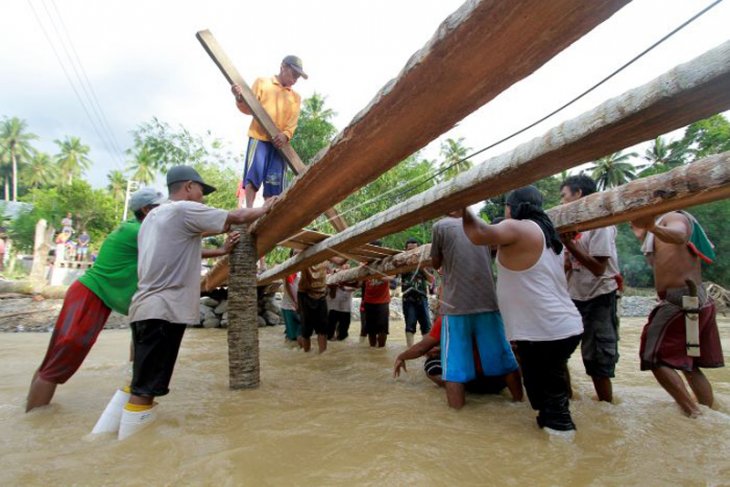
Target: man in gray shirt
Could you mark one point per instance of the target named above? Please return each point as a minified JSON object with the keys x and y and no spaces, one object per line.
{"x":168,"y":292}
{"x":591,"y":267}
{"x":471,"y":320}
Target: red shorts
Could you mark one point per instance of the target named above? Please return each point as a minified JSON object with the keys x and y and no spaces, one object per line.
{"x":663,"y":339}
{"x":81,"y":320}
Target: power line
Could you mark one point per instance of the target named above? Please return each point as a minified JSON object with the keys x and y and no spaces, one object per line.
{"x":102,"y":116}
{"x":566,"y":105}
{"x":80,"y":99}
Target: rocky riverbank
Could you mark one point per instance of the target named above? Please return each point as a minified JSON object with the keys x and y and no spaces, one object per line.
{"x":22,"y":313}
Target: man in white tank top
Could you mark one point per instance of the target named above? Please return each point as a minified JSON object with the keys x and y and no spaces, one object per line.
{"x":532,"y":292}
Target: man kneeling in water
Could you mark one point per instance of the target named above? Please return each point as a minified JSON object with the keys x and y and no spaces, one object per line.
{"x":430,"y":346}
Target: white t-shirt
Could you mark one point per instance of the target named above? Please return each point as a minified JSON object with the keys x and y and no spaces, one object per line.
{"x":169,"y":261}
{"x":342,"y":300}
{"x":582,"y":284}
{"x":286,"y":301}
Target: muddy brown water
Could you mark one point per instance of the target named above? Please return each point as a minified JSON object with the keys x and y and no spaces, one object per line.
{"x":340,"y":419}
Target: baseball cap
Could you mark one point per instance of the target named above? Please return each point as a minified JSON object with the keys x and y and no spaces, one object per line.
{"x":187,"y":173}
{"x":296,"y":64}
{"x":145,"y":197}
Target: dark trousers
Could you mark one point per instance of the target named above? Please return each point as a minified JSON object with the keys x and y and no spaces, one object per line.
{"x":545,"y":374}
{"x":415,"y":311}
{"x":156,"y":345}
{"x":338,"y":323}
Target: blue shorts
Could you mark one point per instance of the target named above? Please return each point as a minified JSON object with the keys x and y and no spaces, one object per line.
{"x":459,"y":332}
{"x":264,"y":165}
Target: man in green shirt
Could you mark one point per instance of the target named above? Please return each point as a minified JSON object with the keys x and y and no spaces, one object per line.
{"x":108,"y":285}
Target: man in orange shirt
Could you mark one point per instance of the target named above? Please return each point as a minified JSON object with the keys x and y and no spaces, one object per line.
{"x":264,"y":164}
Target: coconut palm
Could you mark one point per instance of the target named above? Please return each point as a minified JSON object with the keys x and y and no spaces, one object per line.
{"x":661,"y":158}
{"x":72,"y":158}
{"x":144,"y":166}
{"x":40,"y":171}
{"x":453,"y":153}
{"x":613,"y":170}
{"x":117,"y":187}
{"x":15,"y":144}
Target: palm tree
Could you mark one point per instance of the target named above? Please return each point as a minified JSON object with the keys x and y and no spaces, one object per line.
{"x":15,"y":143}
{"x":313,"y":107}
{"x":117,"y":187}
{"x":661,"y":158}
{"x":453,"y":152}
{"x":72,"y":160}
{"x":613,"y":170}
{"x":40,"y":171}
{"x":144,"y":166}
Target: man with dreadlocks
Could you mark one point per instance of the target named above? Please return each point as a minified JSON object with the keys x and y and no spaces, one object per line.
{"x":533,"y":296}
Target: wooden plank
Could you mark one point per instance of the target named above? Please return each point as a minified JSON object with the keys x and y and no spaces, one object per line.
{"x":687,"y":93}
{"x":220,"y":58}
{"x":693,"y":184}
{"x":479,"y":51}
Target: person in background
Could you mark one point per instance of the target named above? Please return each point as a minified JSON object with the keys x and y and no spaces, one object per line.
{"x":414,"y":287}
{"x":290,"y":308}
{"x":339,"y":304}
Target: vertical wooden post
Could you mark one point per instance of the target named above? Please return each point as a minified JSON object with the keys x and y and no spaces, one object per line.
{"x":243,"y":329}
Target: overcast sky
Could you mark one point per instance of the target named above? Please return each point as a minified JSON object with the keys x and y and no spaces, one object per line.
{"x":142,"y":60}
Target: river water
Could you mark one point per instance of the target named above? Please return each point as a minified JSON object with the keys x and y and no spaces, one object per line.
{"x":340,"y":419}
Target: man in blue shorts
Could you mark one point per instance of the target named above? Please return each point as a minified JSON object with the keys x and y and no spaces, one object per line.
{"x":264,"y":164}
{"x":470,"y":313}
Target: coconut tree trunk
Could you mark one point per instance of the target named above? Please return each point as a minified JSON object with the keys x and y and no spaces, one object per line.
{"x":15,"y":174}
{"x":243,"y":331}
{"x":7,"y":189}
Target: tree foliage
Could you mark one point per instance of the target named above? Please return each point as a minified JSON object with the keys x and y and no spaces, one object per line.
{"x":314,"y":130}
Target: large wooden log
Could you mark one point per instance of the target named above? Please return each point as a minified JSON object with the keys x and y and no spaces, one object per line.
{"x":694,"y":184}
{"x":220,"y":58}
{"x":405,"y":261}
{"x":689,"y":92}
{"x":479,"y":51}
{"x":701,"y":182}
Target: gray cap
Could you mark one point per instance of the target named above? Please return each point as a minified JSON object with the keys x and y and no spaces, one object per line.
{"x":296,"y":64}
{"x":187,"y":173}
{"x":145,"y":197}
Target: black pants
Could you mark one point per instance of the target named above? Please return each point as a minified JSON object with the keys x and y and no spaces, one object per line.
{"x":545,"y":374}
{"x":156,"y":345}
{"x":338,"y":324}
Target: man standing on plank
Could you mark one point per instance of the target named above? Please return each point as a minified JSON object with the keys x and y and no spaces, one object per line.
{"x":264,"y":164}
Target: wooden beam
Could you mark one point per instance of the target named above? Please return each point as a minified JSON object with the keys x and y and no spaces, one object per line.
{"x":693,"y":184}
{"x":479,"y":51}
{"x":220,"y":58}
{"x":218,"y":275}
{"x":405,"y":261}
{"x":687,"y":93}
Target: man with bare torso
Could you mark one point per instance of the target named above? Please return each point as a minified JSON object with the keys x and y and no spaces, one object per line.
{"x":675,"y":245}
